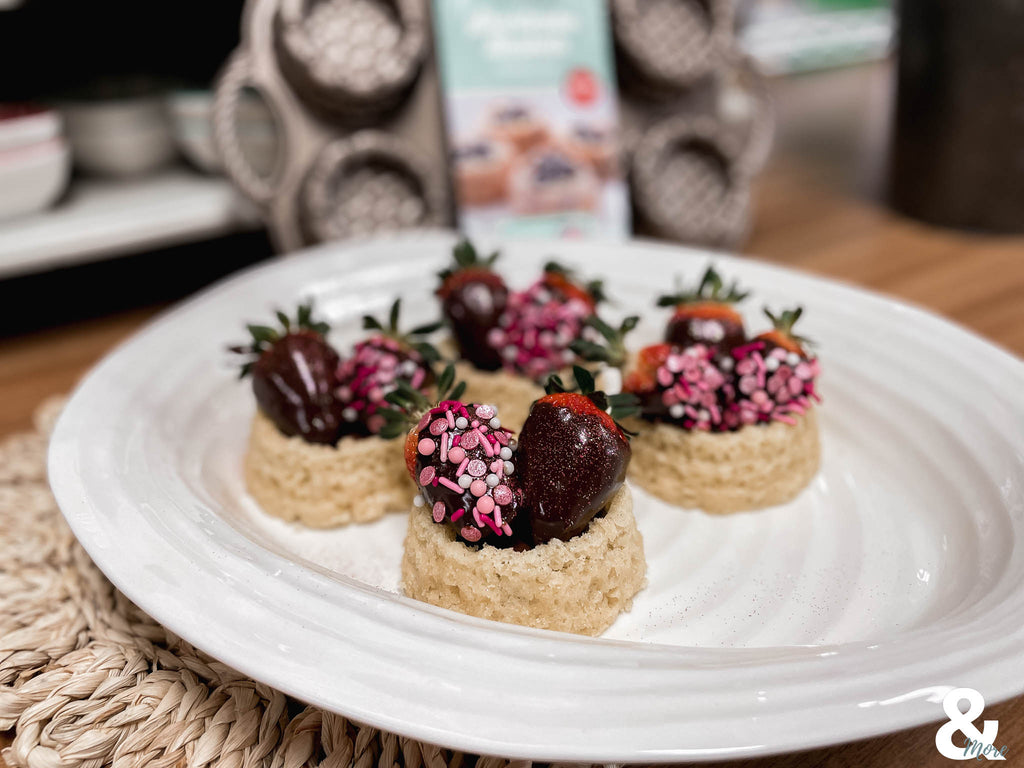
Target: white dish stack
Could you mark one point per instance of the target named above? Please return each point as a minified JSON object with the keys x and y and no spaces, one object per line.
{"x":35,"y":163}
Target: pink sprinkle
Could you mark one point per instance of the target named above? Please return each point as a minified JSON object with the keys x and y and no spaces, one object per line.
{"x":417,"y":378}
{"x":423,"y":422}
{"x":439,"y":511}
{"x":438,"y":426}
{"x":478,"y":488}
{"x":485,"y":412}
{"x":457,"y":439}
{"x":476,"y":468}
{"x":743,"y":349}
{"x":457,"y":514}
{"x":785,"y":419}
{"x":497,"y":514}
{"x":462,"y":467}
{"x":492,"y":526}
{"x":488,"y":449}
{"x":444,"y":448}
{"x":503,"y":495}
{"x":426,"y":446}
{"x":456,"y":455}
{"x":451,"y":419}
{"x":501,"y":436}
{"x":427,"y":475}
{"x":476,"y":517}
{"x":474,"y":424}
{"x":496,"y":465}
{"x":665,"y":377}
{"x":449,"y":484}
{"x":485,"y":504}
{"x":507,"y":529}
{"x":469,"y":533}
{"x":470,"y":440}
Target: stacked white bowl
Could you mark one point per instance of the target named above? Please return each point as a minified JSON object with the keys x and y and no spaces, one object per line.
{"x":35,"y":163}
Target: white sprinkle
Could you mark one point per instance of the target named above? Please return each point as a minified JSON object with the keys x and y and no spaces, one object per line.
{"x":495,"y":423}
{"x":513,"y":443}
{"x":407,"y":368}
{"x":725,"y":363}
{"x":349,"y":414}
{"x":462,"y":422}
{"x":465,"y":481}
{"x":510,"y":468}
{"x":418,"y":500}
{"x":676,"y":411}
{"x":505,"y":453}
{"x":510,"y":352}
{"x":793,"y":358}
{"x":703,"y":415}
{"x":771,"y":364}
{"x":492,"y":480}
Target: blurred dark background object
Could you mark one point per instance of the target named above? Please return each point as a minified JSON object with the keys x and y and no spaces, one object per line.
{"x":55,"y":48}
{"x":958,"y":141}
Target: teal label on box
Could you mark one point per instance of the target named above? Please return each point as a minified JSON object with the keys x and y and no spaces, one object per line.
{"x":532,"y":117}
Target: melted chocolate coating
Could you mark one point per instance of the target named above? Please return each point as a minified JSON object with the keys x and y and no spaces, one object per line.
{"x":472,"y":310}
{"x":294,"y":383}
{"x":571,"y":465}
{"x":686,"y":331}
{"x":456,"y":510}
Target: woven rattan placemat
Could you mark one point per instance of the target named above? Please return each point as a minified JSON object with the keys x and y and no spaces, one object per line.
{"x":87,"y":679}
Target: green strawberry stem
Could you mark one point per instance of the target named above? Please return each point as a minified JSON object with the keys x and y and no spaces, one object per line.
{"x":409,"y":404}
{"x":262,"y":337}
{"x":710,"y":288}
{"x":613,"y":352}
{"x":784,"y":322}
{"x":413,"y":339}
{"x":466,"y":256}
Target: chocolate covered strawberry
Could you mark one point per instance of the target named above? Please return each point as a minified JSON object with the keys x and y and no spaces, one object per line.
{"x":473,"y":297}
{"x":535,"y":334}
{"x":375,"y":368}
{"x":683,"y":385}
{"x":573,"y":457}
{"x":775,"y":374}
{"x":705,"y":315}
{"x":293,"y":376}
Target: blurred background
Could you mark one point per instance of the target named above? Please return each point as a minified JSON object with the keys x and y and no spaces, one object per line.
{"x":146,"y":151}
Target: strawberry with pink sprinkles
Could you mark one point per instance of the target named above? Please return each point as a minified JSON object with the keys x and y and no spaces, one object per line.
{"x":464,"y":466}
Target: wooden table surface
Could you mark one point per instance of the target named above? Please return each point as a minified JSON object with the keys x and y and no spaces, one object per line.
{"x":808,"y":216}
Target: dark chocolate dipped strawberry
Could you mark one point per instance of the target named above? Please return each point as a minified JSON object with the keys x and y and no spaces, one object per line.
{"x":573,"y":457}
{"x":473,"y":297}
{"x":705,"y":315}
{"x":377,"y":365}
{"x":293,"y":376}
{"x":464,"y":463}
{"x":535,"y":334}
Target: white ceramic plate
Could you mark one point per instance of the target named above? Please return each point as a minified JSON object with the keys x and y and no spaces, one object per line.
{"x":850,"y":612}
